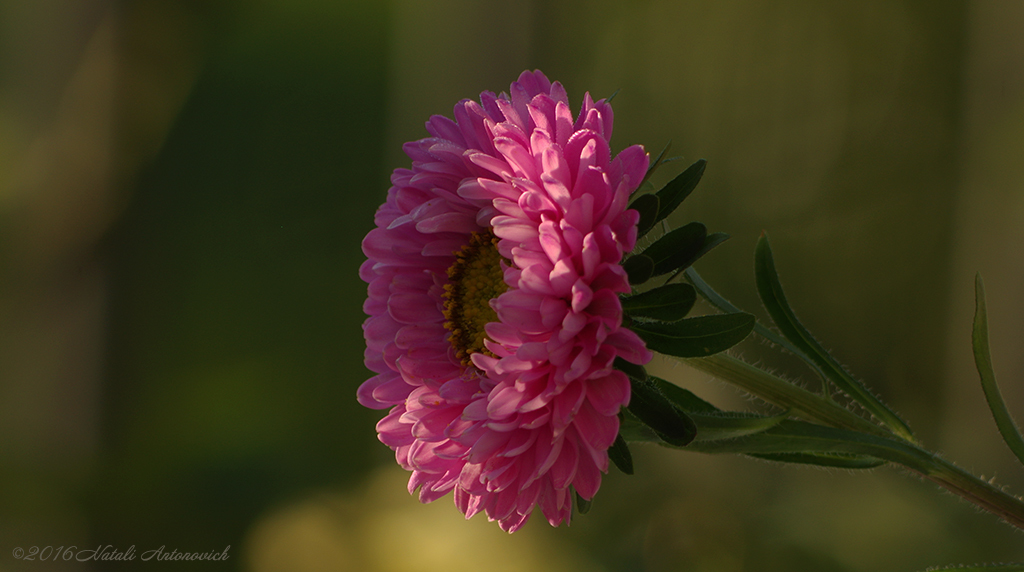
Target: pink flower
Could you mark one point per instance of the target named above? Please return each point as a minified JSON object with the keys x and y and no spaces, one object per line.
{"x":494,"y":317}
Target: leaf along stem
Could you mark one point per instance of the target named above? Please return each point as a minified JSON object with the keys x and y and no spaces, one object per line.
{"x":983,"y":361}
{"x":861,"y":436}
{"x":773,"y":389}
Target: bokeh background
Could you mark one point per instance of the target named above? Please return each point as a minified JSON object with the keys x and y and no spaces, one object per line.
{"x":184,"y":185}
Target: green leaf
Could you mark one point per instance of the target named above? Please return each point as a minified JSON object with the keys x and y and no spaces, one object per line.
{"x":683,"y":398}
{"x":669,"y":303}
{"x":639,"y":268}
{"x":770,"y":290}
{"x":652,"y":167}
{"x":677,"y":248}
{"x":718,"y":301}
{"x":620,"y":455}
{"x":696,"y":337}
{"x":983,"y":361}
{"x":1019,"y":567}
{"x":710,"y":241}
{"x":654,"y":410}
{"x":632,"y":370}
{"x":673,"y":194}
{"x":791,"y":436}
{"x":713,"y":423}
{"x":644,"y":188}
{"x":582,"y":504}
{"x":717,"y":426}
{"x":647,"y":206}
{"x":633,"y":430}
{"x":836,"y":460}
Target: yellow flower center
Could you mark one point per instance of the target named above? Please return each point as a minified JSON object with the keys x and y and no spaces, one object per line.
{"x":474,"y":280}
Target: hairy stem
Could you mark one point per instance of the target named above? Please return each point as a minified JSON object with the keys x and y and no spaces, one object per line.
{"x":773,"y":389}
{"x":901,"y":451}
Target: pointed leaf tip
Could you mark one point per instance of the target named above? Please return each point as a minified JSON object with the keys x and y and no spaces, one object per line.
{"x":647,"y":206}
{"x":675,"y":192}
{"x":677,"y":249}
{"x":653,"y":165}
{"x":983,"y":362}
{"x":671,"y":424}
{"x":668,"y":303}
{"x":769,"y":288}
{"x":700,"y":336}
{"x":619,"y":454}
{"x":582,"y":505}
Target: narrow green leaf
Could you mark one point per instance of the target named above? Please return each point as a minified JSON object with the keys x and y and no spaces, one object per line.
{"x":677,"y":248}
{"x":696,"y":337}
{"x":718,"y":301}
{"x":668,"y":303}
{"x":683,"y":398}
{"x":673,"y":194}
{"x":582,"y":504}
{"x":791,"y":436}
{"x":1019,"y":567}
{"x":717,"y":426}
{"x":633,"y":430}
{"x":644,"y":188}
{"x":710,"y":241}
{"x":612,"y":96}
{"x":620,"y":455}
{"x":639,"y":268}
{"x":647,"y":206}
{"x":798,"y":435}
{"x":983,"y":361}
{"x":632,"y":370}
{"x":713,"y":423}
{"x":770,"y":290}
{"x":668,"y":422}
{"x":653,"y":166}
{"x":836,"y":460}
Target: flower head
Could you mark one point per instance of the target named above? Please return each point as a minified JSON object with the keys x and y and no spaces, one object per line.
{"x":494,"y":315}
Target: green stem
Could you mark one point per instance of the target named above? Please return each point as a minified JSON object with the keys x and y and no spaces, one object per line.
{"x":772,"y":389}
{"x":898,"y":450}
{"x":980,"y":493}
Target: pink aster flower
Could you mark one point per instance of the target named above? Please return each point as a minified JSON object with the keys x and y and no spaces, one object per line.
{"x":494,"y":316}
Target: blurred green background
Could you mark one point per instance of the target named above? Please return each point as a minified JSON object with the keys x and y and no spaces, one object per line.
{"x":184,"y":185}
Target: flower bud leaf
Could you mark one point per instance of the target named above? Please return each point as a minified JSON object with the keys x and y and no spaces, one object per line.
{"x":668,"y":303}
{"x":657,"y":412}
{"x":639,"y":268}
{"x":647,"y":206}
{"x":983,"y":361}
{"x":770,"y":290}
{"x":696,"y":337}
{"x":620,"y":455}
